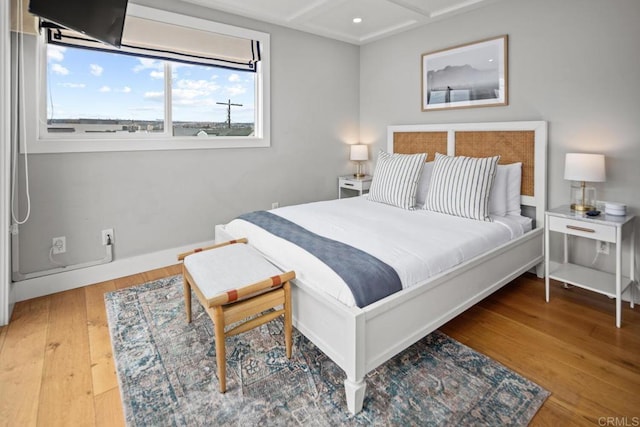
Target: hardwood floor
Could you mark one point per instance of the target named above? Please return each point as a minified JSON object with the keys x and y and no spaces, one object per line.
{"x":56,"y":366}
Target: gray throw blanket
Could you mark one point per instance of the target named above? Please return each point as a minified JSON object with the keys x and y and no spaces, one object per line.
{"x":368,"y":278}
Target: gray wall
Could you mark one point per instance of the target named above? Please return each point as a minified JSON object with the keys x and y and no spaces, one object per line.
{"x":573,"y":63}
{"x":157,"y":200}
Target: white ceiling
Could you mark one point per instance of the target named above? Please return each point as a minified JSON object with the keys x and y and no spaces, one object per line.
{"x":334,"y":18}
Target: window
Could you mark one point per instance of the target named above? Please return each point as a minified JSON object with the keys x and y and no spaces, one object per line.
{"x":103,"y":99}
{"x":103,"y":93}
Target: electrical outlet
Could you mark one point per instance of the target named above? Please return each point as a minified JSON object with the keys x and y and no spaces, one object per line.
{"x":108,"y":237}
{"x":602,"y":247}
{"x":275,"y":205}
{"x":59,"y":245}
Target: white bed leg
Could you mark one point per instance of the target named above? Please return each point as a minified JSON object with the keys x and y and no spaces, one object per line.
{"x":355,"y":394}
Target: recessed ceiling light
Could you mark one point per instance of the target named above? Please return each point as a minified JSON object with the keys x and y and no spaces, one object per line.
{"x":357,"y":20}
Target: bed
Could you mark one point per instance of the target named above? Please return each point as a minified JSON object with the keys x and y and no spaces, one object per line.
{"x":359,"y":339}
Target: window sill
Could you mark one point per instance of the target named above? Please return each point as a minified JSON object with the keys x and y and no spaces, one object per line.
{"x":91,"y":145}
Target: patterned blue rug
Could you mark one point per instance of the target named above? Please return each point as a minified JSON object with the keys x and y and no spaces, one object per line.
{"x":167,"y":374}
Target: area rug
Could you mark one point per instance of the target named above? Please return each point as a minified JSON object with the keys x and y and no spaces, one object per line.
{"x":167,"y":374}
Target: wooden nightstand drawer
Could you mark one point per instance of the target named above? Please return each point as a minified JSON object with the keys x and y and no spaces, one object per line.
{"x":582,"y":228}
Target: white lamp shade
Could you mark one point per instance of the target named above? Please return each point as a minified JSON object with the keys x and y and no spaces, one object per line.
{"x":359,"y":152}
{"x":584,"y":167}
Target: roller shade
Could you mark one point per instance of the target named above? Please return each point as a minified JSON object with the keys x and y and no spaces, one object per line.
{"x":159,"y":40}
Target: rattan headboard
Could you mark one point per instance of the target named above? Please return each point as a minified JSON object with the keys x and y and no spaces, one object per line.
{"x":524,"y":142}
{"x":420,"y":142}
{"x":512,"y":146}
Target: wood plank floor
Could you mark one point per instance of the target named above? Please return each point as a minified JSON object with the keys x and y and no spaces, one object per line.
{"x":56,"y":366}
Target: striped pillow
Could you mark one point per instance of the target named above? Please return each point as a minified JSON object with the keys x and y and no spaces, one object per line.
{"x":395,"y":179}
{"x":461,"y":186}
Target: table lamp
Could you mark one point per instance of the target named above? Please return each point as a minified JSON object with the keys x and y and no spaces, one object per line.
{"x":582,"y":168}
{"x":359,"y":154}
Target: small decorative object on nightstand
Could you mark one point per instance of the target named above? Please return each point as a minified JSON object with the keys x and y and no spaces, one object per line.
{"x":582,"y":168}
{"x":348,"y":182}
{"x":359,"y":154}
{"x":603,"y":228}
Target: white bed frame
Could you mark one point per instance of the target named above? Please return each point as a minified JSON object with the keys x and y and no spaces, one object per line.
{"x":361,"y":339}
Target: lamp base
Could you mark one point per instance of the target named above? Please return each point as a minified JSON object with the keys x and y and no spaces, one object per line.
{"x":583,"y":198}
{"x":359,"y":174}
{"x":581,"y":208}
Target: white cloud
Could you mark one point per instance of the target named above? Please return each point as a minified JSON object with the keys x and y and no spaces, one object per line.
{"x":59,"y":69}
{"x":234,"y":78}
{"x":203,"y":94}
{"x":235,"y":90}
{"x":55,"y":53}
{"x":194,"y":102}
{"x":105,"y":89}
{"x":96,"y":70}
{"x":157,"y":74}
{"x":191,"y":98}
{"x":125,"y":89}
{"x":184,"y":94}
{"x":154,"y":96}
{"x":148,"y":63}
{"x":194,"y":93}
{"x":206,"y":87}
{"x":74,"y":85}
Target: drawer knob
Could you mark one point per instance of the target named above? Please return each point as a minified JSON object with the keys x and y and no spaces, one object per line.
{"x":586,"y":230}
{"x":348,"y":184}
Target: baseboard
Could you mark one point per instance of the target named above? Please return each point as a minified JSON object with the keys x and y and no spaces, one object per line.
{"x":46,"y":285}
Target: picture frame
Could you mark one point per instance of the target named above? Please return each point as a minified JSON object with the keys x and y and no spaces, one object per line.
{"x":469,"y":75}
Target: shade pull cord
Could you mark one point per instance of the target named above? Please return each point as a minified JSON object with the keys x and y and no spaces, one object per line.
{"x":20,"y":124}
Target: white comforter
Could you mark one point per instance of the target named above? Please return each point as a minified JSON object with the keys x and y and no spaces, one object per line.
{"x":417,"y":244}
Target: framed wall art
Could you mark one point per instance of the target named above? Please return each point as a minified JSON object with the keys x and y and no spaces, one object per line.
{"x":469,"y":75}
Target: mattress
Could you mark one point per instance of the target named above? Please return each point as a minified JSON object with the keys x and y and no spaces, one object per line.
{"x":418,"y":244}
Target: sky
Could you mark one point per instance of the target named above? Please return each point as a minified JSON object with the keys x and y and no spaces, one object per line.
{"x":90,"y":84}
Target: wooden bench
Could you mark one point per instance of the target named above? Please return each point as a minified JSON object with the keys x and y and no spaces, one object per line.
{"x":234,"y":282}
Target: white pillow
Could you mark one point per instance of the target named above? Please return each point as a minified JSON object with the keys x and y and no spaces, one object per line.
{"x":423,"y":184}
{"x":505,"y":191}
{"x":461,"y":186}
{"x":514,"y":182}
{"x":395,"y":179}
{"x":504,"y":198}
{"x":498,"y":194}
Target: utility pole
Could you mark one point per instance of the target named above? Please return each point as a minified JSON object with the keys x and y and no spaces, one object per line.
{"x":229,"y":105}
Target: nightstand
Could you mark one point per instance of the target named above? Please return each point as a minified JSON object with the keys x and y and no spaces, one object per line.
{"x":606,"y":228}
{"x":349,"y":182}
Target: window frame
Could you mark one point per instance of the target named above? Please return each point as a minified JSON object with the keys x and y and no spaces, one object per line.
{"x":41,"y":141}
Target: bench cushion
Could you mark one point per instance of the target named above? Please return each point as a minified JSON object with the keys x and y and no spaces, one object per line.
{"x":228,"y":267}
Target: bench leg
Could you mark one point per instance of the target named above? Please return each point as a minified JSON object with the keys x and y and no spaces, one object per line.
{"x":288,"y":321}
{"x":187,"y":295}
{"x":221,"y":356}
